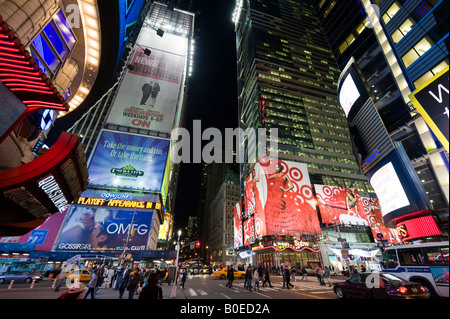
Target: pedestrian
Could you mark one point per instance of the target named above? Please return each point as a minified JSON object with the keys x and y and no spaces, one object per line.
{"x":256,"y":279}
{"x":134,"y":283}
{"x":162,"y":274}
{"x":124,"y":280}
{"x":287,"y":278}
{"x":151,"y":290}
{"x":260,"y":273}
{"x":183,"y":278}
{"x":293,"y":271}
{"x":304,"y":273}
{"x":118,"y":277}
{"x":230,"y":277}
{"x":92,"y":284}
{"x":267,"y":278}
{"x":108,"y":279}
{"x":319,"y":274}
{"x":327,"y":275}
{"x":76,"y":291}
{"x":62,"y":277}
{"x":248,"y":278}
{"x":100,"y":278}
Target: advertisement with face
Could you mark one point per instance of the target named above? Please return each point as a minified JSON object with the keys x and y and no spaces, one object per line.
{"x":148,"y":95}
{"x":279,"y":196}
{"x":103,"y":229}
{"x":128,"y":160}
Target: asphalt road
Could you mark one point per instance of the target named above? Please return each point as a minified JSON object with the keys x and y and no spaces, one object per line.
{"x":196,"y":288}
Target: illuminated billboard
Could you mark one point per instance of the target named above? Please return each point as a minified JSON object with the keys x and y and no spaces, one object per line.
{"x":279,"y":196}
{"x":238,"y":231}
{"x":347,"y":206}
{"x":103,"y":229}
{"x":390,"y":191}
{"x":349,"y":94}
{"x":128,"y":160}
{"x":148,"y":94}
{"x":398,"y":186}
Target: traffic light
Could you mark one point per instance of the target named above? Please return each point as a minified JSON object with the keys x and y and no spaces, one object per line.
{"x":197,"y":244}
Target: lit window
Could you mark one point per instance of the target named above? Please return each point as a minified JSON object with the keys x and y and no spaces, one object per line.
{"x":419,"y":49}
{"x":390,"y":13}
{"x":430,"y":73}
{"x":403,"y":30}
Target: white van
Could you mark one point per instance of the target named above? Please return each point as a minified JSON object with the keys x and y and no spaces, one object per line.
{"x":426,"y":264}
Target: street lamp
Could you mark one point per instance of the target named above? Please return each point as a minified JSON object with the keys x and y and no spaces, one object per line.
{"x":173,"y":294}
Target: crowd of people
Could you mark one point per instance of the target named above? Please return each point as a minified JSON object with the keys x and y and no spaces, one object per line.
{"x":142,"y":282}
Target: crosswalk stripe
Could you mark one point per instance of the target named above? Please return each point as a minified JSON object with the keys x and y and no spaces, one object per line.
{"x":192,"y":292}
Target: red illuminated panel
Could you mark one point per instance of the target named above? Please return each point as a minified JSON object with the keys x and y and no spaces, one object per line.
{"x":418,"y":228}
{"x":20,"y":73}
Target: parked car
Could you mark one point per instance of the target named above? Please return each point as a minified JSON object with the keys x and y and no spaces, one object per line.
{"x":18,"y":276}
{"x":79,"y":275}
{"x":222,"y":273}
{"x":388,"y":287}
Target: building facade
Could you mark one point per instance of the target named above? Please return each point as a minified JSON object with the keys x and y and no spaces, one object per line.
{"x":287,"y":79}
{"x":220,"y":219}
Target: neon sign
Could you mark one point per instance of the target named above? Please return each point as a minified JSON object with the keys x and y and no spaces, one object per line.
{"x":122,"y":203}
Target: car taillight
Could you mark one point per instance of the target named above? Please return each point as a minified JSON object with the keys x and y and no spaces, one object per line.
{"x":402,"y":290}
{"x":423,"y":289}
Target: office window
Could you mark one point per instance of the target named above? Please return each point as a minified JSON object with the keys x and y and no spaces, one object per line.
{"x":390,"y":13}
{"x":417,"y":51}
{"x":403,"y":30}
{"x":325,"y":14}
{"x":430,"y":73}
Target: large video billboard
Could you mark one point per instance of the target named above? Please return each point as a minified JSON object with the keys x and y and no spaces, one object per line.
{"x":279,"y":196}
{"x":238,"y":232}
{"x":347,"y":206}
{"x":102,"y":229}
{"x":148,"y":95}
{"x":128,"y":160}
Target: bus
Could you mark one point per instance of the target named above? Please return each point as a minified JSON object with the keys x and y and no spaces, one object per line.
{"x":425,"y":263}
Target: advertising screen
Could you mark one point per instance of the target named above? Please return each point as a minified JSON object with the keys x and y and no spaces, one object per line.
{"x":279,"y":196}
{"x":148,"y":95}
{"x":389,"y":190}
{"x":349,"y":94}
{"x":347,"y":206}
{"x":238,"y":240}
{"x":341,"y":205}
{"x":249,"y":231}
{"x":102,"y":229}
{"x":128,"y":160}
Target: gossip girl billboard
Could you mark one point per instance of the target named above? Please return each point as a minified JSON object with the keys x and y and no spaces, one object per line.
{"x":90,"y":229}
{"x":279,"y":196}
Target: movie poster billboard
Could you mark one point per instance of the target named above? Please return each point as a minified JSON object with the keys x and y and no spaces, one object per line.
{"x":279,"y":196}
{"x":128,"y":160}
{"x":238,"y":232}
{"x":103,"y":229}
{"x":148,"y":94}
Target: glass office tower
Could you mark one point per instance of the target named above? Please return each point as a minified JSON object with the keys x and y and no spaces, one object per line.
{"x":287,"y":79}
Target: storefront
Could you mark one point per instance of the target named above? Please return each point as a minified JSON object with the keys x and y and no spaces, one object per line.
{"x":356,"y":254}
{"x":275,"y":256}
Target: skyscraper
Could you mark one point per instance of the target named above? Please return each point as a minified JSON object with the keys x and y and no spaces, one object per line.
{"x":287,"y":79}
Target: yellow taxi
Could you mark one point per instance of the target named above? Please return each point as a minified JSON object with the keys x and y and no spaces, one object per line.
{"x":79,"y":275}
{"x":222,"y":273}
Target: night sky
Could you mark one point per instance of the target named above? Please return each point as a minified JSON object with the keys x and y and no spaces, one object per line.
{"x":213,"y":90}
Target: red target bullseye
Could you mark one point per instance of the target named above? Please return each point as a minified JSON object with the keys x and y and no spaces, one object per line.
{"x":296,"y":174}
{"x":307,"y":192}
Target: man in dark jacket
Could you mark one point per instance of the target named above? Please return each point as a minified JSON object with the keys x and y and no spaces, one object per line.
{"x":124,"y":282}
